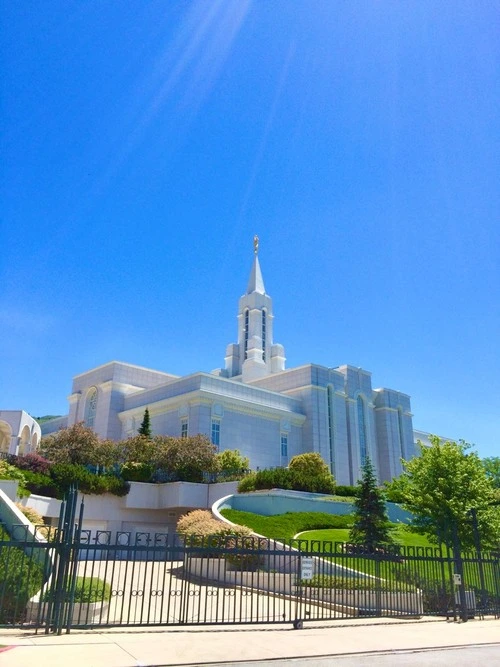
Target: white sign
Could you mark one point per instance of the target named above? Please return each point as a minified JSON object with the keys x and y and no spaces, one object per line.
{"x":457,"y":579}
{"x":307,"y":568}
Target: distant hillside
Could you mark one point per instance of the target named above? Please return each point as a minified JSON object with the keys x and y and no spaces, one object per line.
{"x":46,"y":418}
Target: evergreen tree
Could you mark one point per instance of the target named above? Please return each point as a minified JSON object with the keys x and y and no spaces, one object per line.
{"x":145,"y":428}
{"x":371,"y":525}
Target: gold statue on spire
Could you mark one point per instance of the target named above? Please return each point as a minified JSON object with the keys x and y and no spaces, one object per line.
{"x":256,"y":244}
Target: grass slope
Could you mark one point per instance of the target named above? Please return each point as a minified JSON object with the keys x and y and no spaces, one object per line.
{"x":285,"y":526}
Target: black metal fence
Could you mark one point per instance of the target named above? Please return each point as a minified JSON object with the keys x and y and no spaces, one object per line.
{"x":79,"y":578}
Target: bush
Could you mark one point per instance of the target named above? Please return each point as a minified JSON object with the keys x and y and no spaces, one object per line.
{"x":8,"y":471}
{"x":31,"y":463}
{"x":32,"y":515}
{"x":286,"y":478}
{"x":349,"y":491}
{"x":40,"y":484}
{"x":20,"y":578}
{"x":200,"y":529}
{"x":87,"y":589}
{"x":137,"y":472}
{"x":247,"y":484}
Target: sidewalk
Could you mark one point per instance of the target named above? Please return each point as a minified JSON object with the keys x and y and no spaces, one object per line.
{"x":218,"y":644}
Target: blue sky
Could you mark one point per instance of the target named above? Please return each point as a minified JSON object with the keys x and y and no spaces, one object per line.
{"x":145,"y":142}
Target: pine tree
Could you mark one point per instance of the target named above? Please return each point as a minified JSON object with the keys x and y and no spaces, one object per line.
{"x":145,"y":428}
{"x":371,"y":525}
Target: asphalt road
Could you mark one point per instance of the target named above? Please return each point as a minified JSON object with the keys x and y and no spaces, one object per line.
{"x":469,"y":656}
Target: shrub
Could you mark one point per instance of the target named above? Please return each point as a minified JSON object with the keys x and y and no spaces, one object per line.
{"x":200,"y":529}
{"x":64,"y":475}
{"x":349,"y":491}
{"x":40,"y":484}
{"x":87,"y":589}
{"x":37,"y":520}
{"x":8,"y":471}
{"x":137,"y":472}
{"x":31,"y":514}
{"x":286,"y":478}
{"x":31,"y":463}
{"x":20,"y":578}
{"x":247,"y":484}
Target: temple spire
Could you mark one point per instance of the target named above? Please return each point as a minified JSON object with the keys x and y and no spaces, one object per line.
{"x":255,"y":355}
{"x":256,"y":282}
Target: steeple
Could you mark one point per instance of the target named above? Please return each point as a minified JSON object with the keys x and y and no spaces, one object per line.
{"x":255,"y":355}
{"x":256,"y":282}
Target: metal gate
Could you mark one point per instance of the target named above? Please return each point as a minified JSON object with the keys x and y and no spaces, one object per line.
{"x":82,"y":579}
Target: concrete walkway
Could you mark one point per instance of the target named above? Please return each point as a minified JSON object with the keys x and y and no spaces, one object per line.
{"x":221,"y":644}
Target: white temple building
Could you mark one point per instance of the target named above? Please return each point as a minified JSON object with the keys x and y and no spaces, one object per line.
{"x":255,"y":404}
{"x":19,"y":432}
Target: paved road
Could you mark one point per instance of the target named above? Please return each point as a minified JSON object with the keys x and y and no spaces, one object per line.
{"x":468,"y":656}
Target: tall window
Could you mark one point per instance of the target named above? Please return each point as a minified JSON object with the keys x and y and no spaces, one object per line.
{"x":401,"y":436}
{"x":331,"y":427}
{"x":246,"y":332}
{"x":362,"y":430}
{"x":184,"y":428}
{"x":91,"y":407}
{"x":284,"y":446}
{"x":263,"y":335}
{"x":215,"y":437}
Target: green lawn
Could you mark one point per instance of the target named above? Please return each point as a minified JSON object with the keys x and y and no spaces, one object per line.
{"x":285,"y":526}
{"x":401,"y":535}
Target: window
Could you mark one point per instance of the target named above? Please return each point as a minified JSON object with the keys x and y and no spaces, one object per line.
{"x":362,"y":430}
{"x":184,"y":428}
{"x":91,"y":407}
{"x":246,"y":333}
{"x":401,"y":436}
{"x":215,"y":435}
{"x":263,"y":335}
{"x":331,"y":427}
{"x":284,"y":445}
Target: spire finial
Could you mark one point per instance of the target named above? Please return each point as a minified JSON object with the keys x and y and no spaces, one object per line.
{"x":256,"y":244}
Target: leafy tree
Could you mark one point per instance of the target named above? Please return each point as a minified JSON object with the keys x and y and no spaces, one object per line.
{"x":231,"y":461}
{"x":139,"y":449}
{"x":76,"y":444}
{"x":492,"y":467}
{"x":145,"y":427}
{"x":185,"y":458}
{"x":443,"y":486}
{"x":371,"y":526}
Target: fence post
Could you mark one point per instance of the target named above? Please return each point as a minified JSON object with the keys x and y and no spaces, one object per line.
{"x":459,"y":569}
{"x":64,"y":547}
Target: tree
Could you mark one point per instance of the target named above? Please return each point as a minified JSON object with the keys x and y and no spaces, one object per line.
{"x":444,"y":488}
{"x":492,"y":467}
{"x":311,"y":473}
{"x":231,"y":461}
{"x":77,"y":444}
{"x":145,"y":427}
{"x":371,"y":526}
{"x":185,"y":458}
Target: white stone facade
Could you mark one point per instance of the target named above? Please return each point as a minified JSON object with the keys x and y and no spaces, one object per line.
{"x":19,"y":432}
{"x":254,"y":404}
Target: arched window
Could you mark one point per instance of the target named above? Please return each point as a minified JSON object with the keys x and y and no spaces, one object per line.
{"x":263,"y":335}
{"x":362,"y":430}
{"x":246,"y":332}
{"x":90,"y":407}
